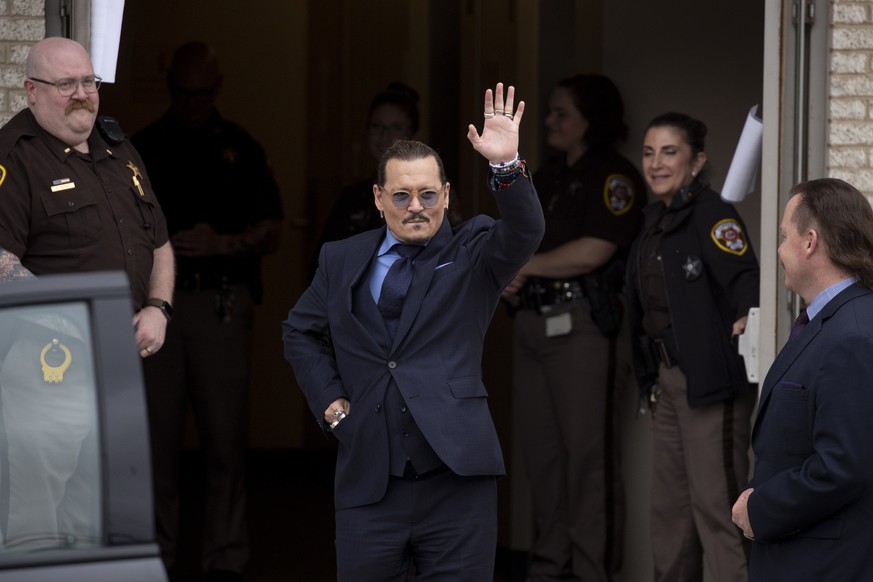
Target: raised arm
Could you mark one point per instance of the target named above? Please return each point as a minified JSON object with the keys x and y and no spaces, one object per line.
{"x":498,"y":142}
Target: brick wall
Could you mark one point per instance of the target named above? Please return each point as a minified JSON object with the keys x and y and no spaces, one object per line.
{"x":22,"y":23}
{"x":850,"y":134}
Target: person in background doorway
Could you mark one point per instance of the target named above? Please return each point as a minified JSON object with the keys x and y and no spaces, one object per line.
{"x":692,"y":278}
{"x":393,"y":115}
{"x":572,"y":353}
{"x":224,"y":213}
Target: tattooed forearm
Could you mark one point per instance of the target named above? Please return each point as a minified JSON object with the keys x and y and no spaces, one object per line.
{"x":11,"y":267}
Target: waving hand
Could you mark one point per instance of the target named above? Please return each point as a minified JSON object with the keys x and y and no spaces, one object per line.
{"x":499,"y":139}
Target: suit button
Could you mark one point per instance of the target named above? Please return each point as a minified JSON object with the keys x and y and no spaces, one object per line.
{"x":406,"y":434}
{"x":378,"y":407}
{"x":392,"y":364}
{"x":402,"y":409}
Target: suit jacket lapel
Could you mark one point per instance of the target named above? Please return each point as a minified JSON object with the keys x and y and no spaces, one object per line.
{"x":356,"y":270}
{"x":792,"y":350}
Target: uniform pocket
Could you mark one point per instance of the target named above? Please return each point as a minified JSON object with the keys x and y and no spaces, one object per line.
{"x":73,"y":214}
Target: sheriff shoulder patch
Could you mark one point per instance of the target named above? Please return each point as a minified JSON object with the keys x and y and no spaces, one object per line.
{"x":618,"y":194}
{"x":729,"y":237}
{"x":2,"y":174}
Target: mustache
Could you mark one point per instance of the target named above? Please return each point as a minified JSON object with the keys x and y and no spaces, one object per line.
{"x":416,"y":216}
{"x":80,"y":104}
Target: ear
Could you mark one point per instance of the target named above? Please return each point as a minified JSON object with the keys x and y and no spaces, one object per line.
{"x":30,"y":90}
{"x":377,"y":197}
{"x":699,"y":162}
{"x":448,"y":189}
{"x":813,"y":241}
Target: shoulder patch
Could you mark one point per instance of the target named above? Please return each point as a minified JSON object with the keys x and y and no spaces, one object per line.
{"x":618,"y":194}
{"x":729,"y":237}
{"x":2,"y":174}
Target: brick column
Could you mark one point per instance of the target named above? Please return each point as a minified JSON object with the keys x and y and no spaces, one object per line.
{"x":22,"y":23}
{"x":850,"y":132}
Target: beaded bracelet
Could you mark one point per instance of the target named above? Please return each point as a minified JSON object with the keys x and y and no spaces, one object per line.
{"x":499,"y":180}
{"x":506,"y":167}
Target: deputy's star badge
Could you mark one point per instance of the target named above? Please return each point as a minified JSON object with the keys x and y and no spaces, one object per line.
{"x":136,"y":177}
{"x":618,"y":194}
{"x":692,"y":268}
{"x":729,"y":237}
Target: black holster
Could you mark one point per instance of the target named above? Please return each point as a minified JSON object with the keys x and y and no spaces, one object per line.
{"x":601,"y":289}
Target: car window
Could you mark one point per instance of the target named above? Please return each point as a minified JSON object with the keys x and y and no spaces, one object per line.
{"x":50,"y":485}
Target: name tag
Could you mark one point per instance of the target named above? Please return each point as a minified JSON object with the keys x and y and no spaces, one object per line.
{"x":66,"y":186}
{"x":561,"y":324}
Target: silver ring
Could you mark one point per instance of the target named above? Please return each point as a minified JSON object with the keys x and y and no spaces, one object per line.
{"x":340,"y":414}
{"x":509,"y":115}
{"x":748,"y":537}
{"x":489,"y":115}
{"x":498,"y":111}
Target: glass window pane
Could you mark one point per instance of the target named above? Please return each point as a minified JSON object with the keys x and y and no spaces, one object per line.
{"x":49,"y":438}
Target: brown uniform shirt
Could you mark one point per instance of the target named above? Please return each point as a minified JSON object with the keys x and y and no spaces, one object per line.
{"x":63,"y":211}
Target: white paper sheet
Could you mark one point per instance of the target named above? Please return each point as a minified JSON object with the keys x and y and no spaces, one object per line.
{"x":743,"y":173}
{"x":106,"y":16}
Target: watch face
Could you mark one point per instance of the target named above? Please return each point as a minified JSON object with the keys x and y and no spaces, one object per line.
{"x":162,"y":305}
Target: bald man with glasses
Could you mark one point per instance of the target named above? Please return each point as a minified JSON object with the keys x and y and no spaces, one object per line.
{"x":74,"y":199}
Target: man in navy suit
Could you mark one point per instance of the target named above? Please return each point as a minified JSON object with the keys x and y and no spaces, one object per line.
{"x":809,"y":507}
{"x":418,"y":454}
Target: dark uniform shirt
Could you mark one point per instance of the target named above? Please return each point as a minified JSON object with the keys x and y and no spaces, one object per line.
{"x":215,"y":174}
{"x":63,"y":211}
{"x":691,"y":274}
{"x":600,"y":196}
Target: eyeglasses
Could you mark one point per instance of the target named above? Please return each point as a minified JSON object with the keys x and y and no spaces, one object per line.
{"x":428,"y":198}
{"x":67,"y":87}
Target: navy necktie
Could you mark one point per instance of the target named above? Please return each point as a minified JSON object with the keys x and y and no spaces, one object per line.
{"x":396,"y":284}
{"x":799,"y":324}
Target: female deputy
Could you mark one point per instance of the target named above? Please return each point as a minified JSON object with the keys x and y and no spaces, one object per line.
{"x":692,"y":277}
{"x":569,"y":355}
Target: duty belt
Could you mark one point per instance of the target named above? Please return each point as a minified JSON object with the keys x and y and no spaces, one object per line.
{"x":542,"y":295}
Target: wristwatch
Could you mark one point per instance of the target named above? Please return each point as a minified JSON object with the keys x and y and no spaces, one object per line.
{"x":164,"y":306}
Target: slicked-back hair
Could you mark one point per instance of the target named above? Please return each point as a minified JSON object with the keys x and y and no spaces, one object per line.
{"x":693,"y":130}
{"x":407,"y":150}
{"x":844,"y":220}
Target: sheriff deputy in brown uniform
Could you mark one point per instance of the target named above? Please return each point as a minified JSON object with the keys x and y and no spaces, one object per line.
{"x":73,"y":200}
{"x":692,"y":277}
{"x":570,"y":356}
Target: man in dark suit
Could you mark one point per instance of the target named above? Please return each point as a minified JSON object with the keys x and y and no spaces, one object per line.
{"x":418,"y":453}
{"x":809,"y":507}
